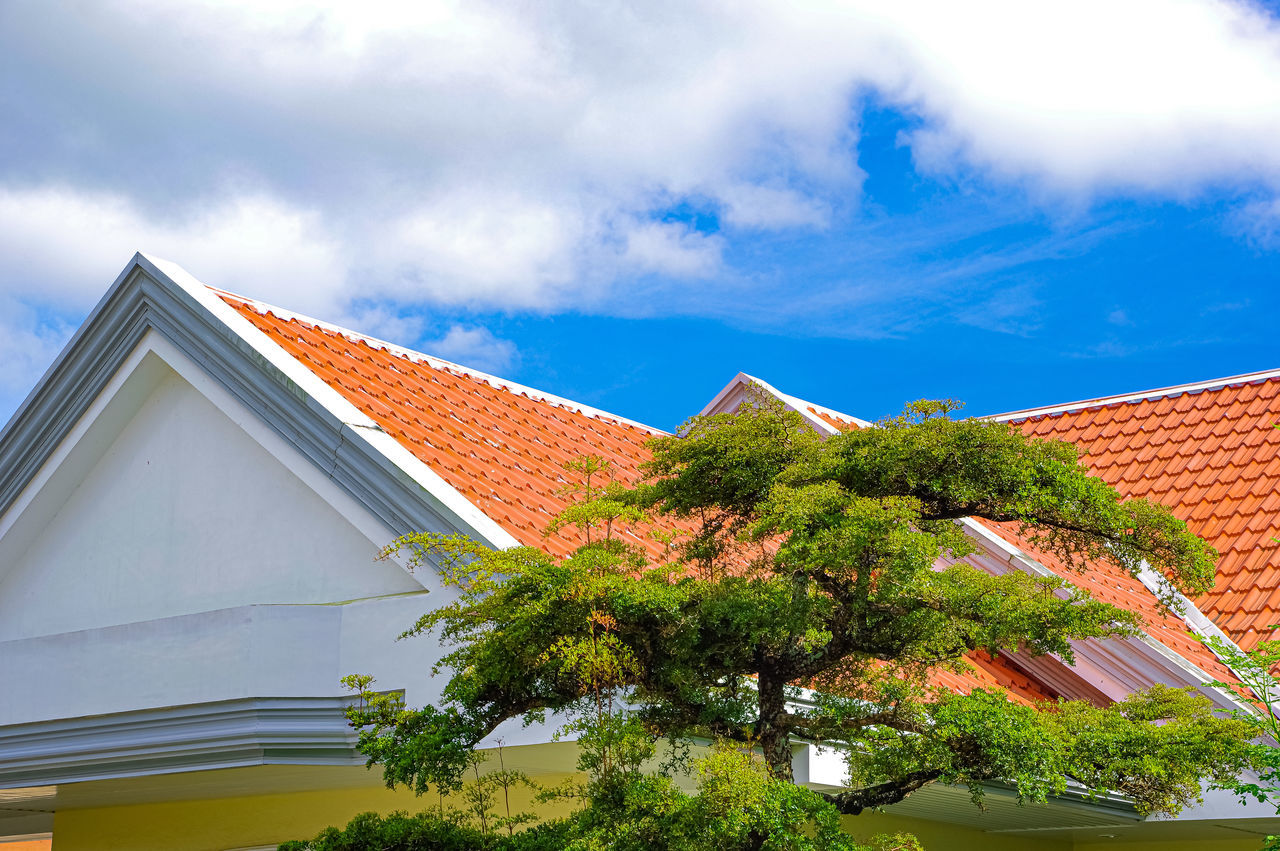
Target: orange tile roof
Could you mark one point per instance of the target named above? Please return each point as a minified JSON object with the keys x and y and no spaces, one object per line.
{"x":996,"y":672}
{"x":1211,"y":453}
{"x":504,"y":448}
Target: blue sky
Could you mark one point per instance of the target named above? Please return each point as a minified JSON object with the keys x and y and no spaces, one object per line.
{"x":861,"y":202}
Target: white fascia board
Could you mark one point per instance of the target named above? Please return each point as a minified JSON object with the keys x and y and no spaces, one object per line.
{"x":357,"y":423}
{"x":86,"y":421}
{"x":1195,"y":619}
{"x":1196,"y":676}
{"x":58,"y":362}
{"x":999,"y":544}
{"x":222,"y":734}
{"x":734,"y":383}
{"x":1158,"y":393}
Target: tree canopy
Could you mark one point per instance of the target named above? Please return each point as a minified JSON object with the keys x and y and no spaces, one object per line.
{"x":811,"y":590}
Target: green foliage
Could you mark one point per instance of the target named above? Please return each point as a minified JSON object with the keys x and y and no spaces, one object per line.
{"x":1257,"y":687}
{"x":1152,"y":746}
{"x":427,"y":832}
{"x":737,"y":806}
{"x":835,"y":564}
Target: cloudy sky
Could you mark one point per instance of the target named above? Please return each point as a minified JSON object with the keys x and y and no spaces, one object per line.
{"x":862,"y":202}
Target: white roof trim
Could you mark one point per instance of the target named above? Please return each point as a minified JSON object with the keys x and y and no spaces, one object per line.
{"x":800,"y":406}
{"x":991,"y":539}
{"x":1190,"y":615}
{"x":1159,"y":393}
{"x":357,"y":422}
{"x":437,"y":363}
{"x":1197,"y":621}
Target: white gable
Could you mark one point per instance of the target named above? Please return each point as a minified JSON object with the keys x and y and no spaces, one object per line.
{"x":163,"y":505}
{"x":746,"y":389}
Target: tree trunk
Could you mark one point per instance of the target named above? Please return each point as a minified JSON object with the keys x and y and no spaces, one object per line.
{"x":772,"y":732}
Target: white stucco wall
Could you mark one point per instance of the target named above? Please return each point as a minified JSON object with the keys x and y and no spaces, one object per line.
{"x":183,"y":513}
{"x":226,"y":654}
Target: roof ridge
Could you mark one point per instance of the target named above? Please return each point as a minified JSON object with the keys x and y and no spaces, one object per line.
{"x":434,"y":362}
{"x":1122,"y":398}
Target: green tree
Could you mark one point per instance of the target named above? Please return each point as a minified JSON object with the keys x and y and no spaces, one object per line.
{"x":820,"y":585}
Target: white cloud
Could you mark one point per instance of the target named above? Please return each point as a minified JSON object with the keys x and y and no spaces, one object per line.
{"x":520,"y":156}
{"x":475,"y":347}
{"x":1095,"y":96}
{"x":470,"y":246}
{"x":65,"y":247}
{"x":671,"y":249}
{"x":1258,"y":223}
{"x":29,"y":342}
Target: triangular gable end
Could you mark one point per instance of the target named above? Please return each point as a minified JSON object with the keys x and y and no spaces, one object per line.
{"x":157,"y":299}
{"x":167,"y":499}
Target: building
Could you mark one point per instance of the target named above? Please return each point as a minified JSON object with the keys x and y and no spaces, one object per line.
{"x":193,"y":497}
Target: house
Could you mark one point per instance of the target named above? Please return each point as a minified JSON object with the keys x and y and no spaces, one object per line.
{"x":193,"y":498}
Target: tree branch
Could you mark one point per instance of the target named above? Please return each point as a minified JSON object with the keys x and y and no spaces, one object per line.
{"x":854,"y":801}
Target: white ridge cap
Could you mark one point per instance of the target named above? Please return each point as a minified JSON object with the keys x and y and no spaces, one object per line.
{"x":1158,"y":393}
{"x":434,"y":362}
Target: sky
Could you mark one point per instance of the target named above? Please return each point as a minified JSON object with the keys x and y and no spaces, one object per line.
{"x":865,"y":202}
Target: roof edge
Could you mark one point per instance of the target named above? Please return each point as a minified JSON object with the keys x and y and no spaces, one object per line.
{"x":435,"y":362}
{"x":806,"y":409}
{"x":1122,"y":398}
{"x":1191,"y":616}
{"x":355,"y":421}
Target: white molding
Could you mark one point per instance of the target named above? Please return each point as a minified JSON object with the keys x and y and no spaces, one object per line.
{"x":1158,"y":393}
{"x":223,"y":734}
{"x":1198,"y":623}
{"x":1159,"y":662}
{"x":1014,"y":553}
{"x":135,"y":377}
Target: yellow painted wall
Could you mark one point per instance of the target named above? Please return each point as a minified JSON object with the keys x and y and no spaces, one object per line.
{"x":225,"y":823}
{"x":1248,"y":844}
{"x":936,"y":836}
{"x":218,"y":824}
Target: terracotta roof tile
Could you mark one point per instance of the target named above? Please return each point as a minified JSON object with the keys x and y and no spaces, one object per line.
{"x":504,"y":447}
{"x":1225,"y":471}
{"x":497,"y":446}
